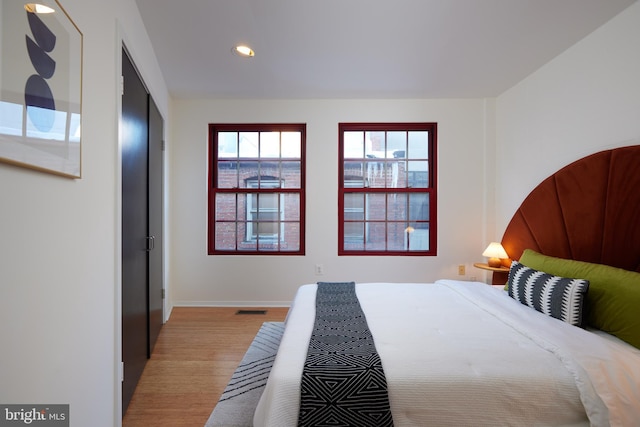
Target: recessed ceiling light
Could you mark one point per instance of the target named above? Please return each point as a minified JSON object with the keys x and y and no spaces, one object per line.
{"x":38,"y":8}
{"x":243,"y":50}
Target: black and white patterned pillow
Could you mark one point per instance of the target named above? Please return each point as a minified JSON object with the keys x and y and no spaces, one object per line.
{"x":554,"y":296}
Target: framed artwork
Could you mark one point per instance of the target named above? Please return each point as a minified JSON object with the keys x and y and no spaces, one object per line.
{"x":40,"y":87}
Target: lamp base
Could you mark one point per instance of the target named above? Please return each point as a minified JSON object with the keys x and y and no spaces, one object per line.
{"x":494,"y":262}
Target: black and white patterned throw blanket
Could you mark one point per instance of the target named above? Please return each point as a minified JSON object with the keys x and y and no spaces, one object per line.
{"x":343,"y":383}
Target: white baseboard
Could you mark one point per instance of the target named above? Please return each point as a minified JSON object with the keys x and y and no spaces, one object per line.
{"x":232,"y":303}
{"x":167,"y":314}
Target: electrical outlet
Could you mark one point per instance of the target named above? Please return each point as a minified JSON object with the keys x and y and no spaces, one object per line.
{"x":319,"y":269}
{"x":461,"y":270}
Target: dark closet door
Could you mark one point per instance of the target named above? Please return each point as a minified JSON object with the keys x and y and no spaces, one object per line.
{"x":134,"y":229}
{"x":156,"y":286}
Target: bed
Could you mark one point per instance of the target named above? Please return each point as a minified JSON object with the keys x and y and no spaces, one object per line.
{"x":465,"y":353}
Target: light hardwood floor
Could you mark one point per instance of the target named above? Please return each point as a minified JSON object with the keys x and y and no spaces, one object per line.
{"x":196,"y":353}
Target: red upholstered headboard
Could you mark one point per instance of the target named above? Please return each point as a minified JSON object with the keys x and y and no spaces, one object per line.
{"x":587,"y":211}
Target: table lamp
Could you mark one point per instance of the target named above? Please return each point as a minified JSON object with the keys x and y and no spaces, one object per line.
{"x":495,"y":252}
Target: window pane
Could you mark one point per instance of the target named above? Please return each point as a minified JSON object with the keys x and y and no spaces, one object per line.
{"x":386,"y":174}
{"x":419,"y":208}
{"x":396,"y":207}
{"x":353,"y":145}
{"x":418,"y":174}
{"x":226,"y":207}
{"x":227,"y":145}
{"x":354,"y":175}
{"x":396,"y":174}
{"x":375,"y":145}
{"x":244,"y":242}
{"x":291,"y":173}
{"x":354,"y":206}
{"x":354,"y":235}
{"x":227,"y":174}
{"x":291,"y":145}
{"x":396,"y":144}
{"x":377,"y":174}
{"x":249,"y":172}
{"x":418,"y":145}
{"x":376,"y":236}
{"x":419,"y":239}
{"x":291,"y":208}
{"x":248,"y":144}
{"x":226,"y":236}
{"x":269,"y":145}
{"x":396,"y":236}
{"x":292,"y":233}
{"x":376,"y":208}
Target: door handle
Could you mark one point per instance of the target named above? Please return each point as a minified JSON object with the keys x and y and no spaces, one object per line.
{"x":151,"y":243}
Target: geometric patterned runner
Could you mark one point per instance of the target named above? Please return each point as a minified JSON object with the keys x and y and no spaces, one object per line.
{"x":343,"y":383}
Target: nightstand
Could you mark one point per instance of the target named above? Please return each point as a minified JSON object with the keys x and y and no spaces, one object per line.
{"x":500,"y":274}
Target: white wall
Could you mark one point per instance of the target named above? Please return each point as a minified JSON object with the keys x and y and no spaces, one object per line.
{"x":584,"y":101}
{"x":197,"y":278}
{"x":59,"y":244}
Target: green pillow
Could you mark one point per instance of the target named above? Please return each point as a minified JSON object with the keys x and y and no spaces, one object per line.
{"x":613,"y":299}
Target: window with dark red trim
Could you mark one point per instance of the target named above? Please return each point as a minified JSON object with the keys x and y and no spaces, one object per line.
{"x":387,"y":189}
{"x":256,"y":189}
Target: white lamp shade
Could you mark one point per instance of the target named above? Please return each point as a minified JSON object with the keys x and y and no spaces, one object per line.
{"x":495,"y":250}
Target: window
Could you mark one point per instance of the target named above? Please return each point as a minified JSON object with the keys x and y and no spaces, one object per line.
{"x":387,"y":194}
{"x":256,"y":189}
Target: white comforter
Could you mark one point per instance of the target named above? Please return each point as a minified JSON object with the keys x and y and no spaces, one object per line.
{"x":464,"y":353}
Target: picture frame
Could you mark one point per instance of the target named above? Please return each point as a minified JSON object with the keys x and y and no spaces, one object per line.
{"x":40,"y":87}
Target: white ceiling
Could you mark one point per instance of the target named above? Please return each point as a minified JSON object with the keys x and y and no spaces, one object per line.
{"x":362,"y":48}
